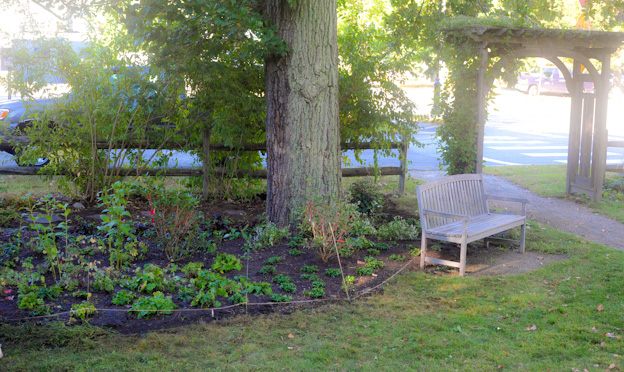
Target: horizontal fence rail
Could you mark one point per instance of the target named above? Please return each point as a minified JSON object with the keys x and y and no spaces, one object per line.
{"x":207,"y":147}
{"x":616,"y":168}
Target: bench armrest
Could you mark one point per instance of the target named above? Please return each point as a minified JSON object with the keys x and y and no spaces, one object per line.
{"x":524,"y":202}
{"x":446,"y":215}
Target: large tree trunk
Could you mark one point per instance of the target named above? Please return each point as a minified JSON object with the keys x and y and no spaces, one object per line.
{"x":303,"y":144}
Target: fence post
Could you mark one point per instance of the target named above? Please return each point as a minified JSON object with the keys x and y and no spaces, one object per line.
{"x":205,"y":162}
{"x":403,"y":162}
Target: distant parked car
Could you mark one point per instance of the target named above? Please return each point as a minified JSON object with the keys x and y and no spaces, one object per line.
{"x":546,"y":80}
{"x":15,"y":116}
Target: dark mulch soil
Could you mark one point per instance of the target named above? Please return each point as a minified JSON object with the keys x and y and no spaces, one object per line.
{"x":240,"y":214}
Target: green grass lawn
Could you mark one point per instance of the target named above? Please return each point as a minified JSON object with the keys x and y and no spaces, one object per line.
{"x":550,"y":181}
{"x":565,"y":316}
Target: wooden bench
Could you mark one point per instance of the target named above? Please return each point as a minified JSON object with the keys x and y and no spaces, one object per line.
{"x":455,"y":209}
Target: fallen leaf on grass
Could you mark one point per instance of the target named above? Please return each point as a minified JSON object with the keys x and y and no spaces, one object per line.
{"x":594,"y":329}
{"x":613,"y":335}
{"x":600,"y":307}
{"x":612,"y":365}
{"x":603,"y":343}
{"x":531,"y":328}
{"x":290,"y":335}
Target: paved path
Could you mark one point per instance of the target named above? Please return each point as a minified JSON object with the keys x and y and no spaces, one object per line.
{"x":561,"y":214}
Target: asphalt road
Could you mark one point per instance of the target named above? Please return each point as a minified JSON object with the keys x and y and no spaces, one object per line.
{"x":520,"y":130}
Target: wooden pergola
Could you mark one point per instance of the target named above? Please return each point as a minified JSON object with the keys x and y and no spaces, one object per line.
{"x":591,"y":54}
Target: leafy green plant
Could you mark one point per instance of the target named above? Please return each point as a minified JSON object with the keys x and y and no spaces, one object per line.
{"x":174,"y":216}
{"x":278,"y":297}
{"x":367,"y":196}
{"x":397,"y":257}
{"x":47,"y":233}
{"x":255,"y":288}
{"x":186,"y":294}
{"x":192,"y":269}
{"x":348,"y":284}
{"x":309,"y":269}
{"x":397,"y":229}
{"x":156,"y":304}
{"x":296,"y":241}
{"x":317,"y":290}
{"x":83,"y":310}
{"x":206,"y":299}
{"x":123,"y":297}
{"x":268,"y":270}
{"x":117,"y":227}
{"x":273,"y":260}
{"x":30,"y":301}
{"x":383,"y":246}
{"x":373,"y":263}
{"x":281,"y":279}
{"x":311,"y":277}
{"x":226,"y":262}
{"x":151,"y":278}
{"x":295,"y":252}
{"x":373,"y":252}
{"x":265,"y":235}
{"x":288,"y":287}
{"x":364,"y":271}
{"x":332,"y":273}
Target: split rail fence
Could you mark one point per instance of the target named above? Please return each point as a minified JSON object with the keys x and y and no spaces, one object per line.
{"x":206,"y":172}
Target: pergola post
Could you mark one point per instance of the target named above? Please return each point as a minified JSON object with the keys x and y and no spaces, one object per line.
{"x":482,"y":91}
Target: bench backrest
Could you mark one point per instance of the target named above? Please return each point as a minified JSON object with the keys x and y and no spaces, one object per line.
{"x":460,"y":194}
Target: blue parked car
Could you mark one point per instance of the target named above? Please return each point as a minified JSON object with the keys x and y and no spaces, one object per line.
{"x":547,"y":80}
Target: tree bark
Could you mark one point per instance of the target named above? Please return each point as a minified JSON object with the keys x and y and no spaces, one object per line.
{"x":303,"y":140}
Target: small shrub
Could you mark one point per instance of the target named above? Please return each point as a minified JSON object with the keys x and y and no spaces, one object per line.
{"x":174,"y":217}
{"x":268,"y":270}
{"x":360,"y":225}
{"x":329,"y":225}
{"x":225,"y":262}
{"x":332,"y":273}
{"x":383,"y":246}
{"x":367,"y":196}
{"x":156,"y":304}
{"x":397,"y":229}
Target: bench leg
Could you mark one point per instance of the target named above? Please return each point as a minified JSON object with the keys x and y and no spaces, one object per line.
{"x":522,"y":237}
{"x":423,"y":250}
{"x":462,"y":258}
